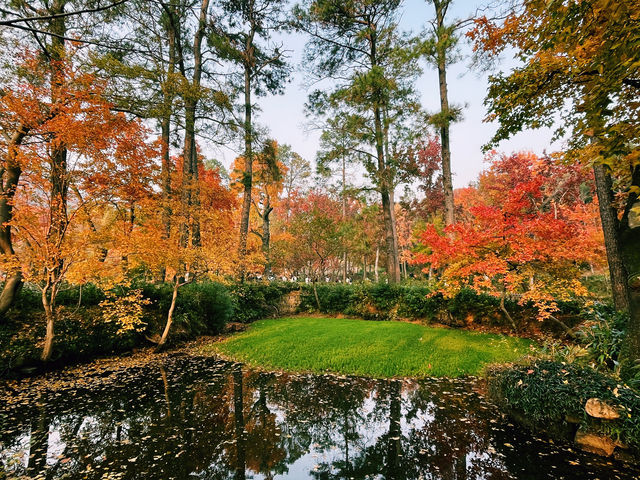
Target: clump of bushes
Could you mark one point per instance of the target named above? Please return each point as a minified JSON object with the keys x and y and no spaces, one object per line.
{"x":82,"y":329}
{"x":602,"y":334}
{"x":205,"y":307}
{"x":547,"y":392}
{"x":81,"y":333}
{"x":381,"y":301}
{"x":378,"y":301}
{"x":256,"y":300}
{"x":334,"y":298}
{"x":596,"y":341}
{"x":201,"y":307}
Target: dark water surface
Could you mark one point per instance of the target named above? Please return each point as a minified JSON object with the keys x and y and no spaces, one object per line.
{"x":184,"y":417}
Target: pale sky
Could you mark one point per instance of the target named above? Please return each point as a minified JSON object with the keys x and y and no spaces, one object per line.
{"x":284,"y":115}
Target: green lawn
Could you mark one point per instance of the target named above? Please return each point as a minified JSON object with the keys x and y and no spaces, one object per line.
{"x":376,"y":349}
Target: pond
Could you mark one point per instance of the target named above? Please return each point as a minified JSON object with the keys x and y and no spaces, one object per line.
{"x":180,"y":416}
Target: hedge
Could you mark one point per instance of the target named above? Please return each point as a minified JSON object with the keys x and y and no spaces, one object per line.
{"x":546,"y":392}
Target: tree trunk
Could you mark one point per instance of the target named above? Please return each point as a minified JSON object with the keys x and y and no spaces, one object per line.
{"x":394,"y":446}
{"x":38,"y":444}
{"x":630,"y":249}
{"x":165,"y":123}
{"x":189,"y":177}
{"x":165,"y":384}
{"x":364,"y":268}
{"x":266,"y":238}
{"x":630,"y":350}
{"x":610,"y":228}
{"x":385,"y":183}
{"x":165,"y":175}
{"x":172,"y":308}
{"x":238,"y":414}
{"x":9,"y":179}
{"x":190,"y":180}
{"x":59,"y":187}
{"x":375,"y":268}
{"x":393,"y":266}
{"x":48,"y":293}
{"x":10,"y":290}
{"x":247,"y":174}
{"x":344,"y":216}
{"x":58,"y":219}
{"x":315,"y":293}
{"x":441,"y":53}
{"x":506,"y":312}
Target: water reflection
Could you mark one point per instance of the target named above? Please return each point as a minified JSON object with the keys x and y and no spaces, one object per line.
{"x":188,"y":417}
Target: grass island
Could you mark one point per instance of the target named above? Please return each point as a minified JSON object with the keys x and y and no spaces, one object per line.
{"x":370,"y":348}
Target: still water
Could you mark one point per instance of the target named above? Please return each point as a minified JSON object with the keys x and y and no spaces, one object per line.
{"x":189,"y":417}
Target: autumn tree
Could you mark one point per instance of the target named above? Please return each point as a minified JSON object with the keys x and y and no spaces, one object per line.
{"x":146,"y":80}
{"x":95,"y":141}
{"x":243,"y":38}
{"x":371,"y":66}
{"x":180,"y":262}
{"x":525,"y":231}
{"x":315,"y":224}
{"x":576,"y":63}
{"x":338,"y":149}
{"x":268,"y":177}
{"x":48,"y":28}
{"x":425,"y":197}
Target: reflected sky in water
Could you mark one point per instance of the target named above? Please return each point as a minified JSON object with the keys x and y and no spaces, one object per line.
{"x":184,"y":417}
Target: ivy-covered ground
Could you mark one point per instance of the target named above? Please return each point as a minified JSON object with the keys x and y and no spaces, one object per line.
{"x":375,"y":349}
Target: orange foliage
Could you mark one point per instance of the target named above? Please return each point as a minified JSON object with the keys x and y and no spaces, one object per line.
{"x":525,"y":230}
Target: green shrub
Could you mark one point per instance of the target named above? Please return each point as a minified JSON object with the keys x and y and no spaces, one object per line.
{"x":201,"y":307}
{"x":598,"y":285}
{"x":546,"y":392}
{"x":205,"y":307}
{"x":159,"y":294}
{"x":334,"y":298}
{"x":18,"y":344}
{"x":378,"y":301}
{"x":597,"y":340}
{"x":84,"y":295}
{"x":80,"y":333}
{"x":382,"y":301}
{"x":29,"y":298}
{"x":602,"y":336}
{"x":256,"y":300}
{"x":418,"y":303}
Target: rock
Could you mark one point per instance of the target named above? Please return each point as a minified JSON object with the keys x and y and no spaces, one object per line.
{"x":594,"y":443}
{"x":599,"y":409}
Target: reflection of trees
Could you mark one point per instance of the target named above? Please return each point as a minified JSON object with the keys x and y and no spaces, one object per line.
{"x":394,"y":449}
{"x":263,"y":433}
{"x":238,"y":416}
{"x":455,"y":440}
{"x":322,"y":413}
{"x":38,"y":441}
{"x":382,"y":452}
{"x":211,"y":420}
{"x":141,"y":424}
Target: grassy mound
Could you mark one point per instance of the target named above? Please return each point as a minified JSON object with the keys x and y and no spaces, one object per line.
{"x":376,"y":349}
